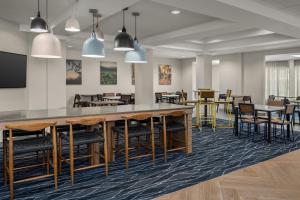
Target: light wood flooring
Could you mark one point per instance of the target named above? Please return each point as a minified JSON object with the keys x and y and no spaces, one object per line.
{"x":276,"y":179}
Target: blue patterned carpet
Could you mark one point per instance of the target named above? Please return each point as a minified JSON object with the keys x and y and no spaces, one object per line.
{"x":214,"y":154}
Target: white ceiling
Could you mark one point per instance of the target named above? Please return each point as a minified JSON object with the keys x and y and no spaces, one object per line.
{"x":203,"y":27}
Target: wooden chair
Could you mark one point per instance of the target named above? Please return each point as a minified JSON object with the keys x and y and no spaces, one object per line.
{"x":126,"y":98}
{"x":248,"y":116}
{"x":142,"y":128}
{"x":14,"y":146}
{"x":171,"y":125}
{"x":76,"y":100}
{"x":285,"y":120}
{"x":95,"y":133}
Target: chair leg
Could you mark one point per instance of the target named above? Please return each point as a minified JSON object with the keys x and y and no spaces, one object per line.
{"x":54,"y":155}
{"x":165,"y":138}
{"x":48,"y":161}
{"x":105,"y":149}
{"x":126,"y":146}
{"x":186,"y":134}
{"x":71,"y":155}
{"x":152,"y":140}
{"x":60,"y":153}
{"x":4,"y":163}
{"x":11,"y":165}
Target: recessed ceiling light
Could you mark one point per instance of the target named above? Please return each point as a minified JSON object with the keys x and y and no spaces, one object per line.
{"x":215,"y":62}
{"x":70,"y":46}
{"x":298,"y":56}
{"x":196,"y":41}
{"x":31,"y":18}
{"x":120,"y":31}
{"x":175,"y":12}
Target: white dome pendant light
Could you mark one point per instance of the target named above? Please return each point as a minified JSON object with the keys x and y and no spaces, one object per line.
{"x":72,"y":24}
{"x":139,"y":53}
{"x":99,"y":32}
{"x":46,"y":45}
{"x":92,"y":47}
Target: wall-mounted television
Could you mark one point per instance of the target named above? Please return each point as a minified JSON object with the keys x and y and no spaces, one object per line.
{"x":13,"y":69}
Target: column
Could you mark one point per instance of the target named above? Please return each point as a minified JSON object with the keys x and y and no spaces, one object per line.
{"x":144,"y":81}
{"x":203,"y":71}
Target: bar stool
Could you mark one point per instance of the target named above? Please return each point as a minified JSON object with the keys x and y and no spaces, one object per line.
{"x":172,"y":125}
{"x":143,"y":127}
{"x":14,"y":146}
{"x":207,"y":99}
{"x":92,"y":135}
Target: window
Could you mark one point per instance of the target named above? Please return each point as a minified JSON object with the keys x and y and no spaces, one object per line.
{"x":277,"y":78}
{"x":297,"y":77}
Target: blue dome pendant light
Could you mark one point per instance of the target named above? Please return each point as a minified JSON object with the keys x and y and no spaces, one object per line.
{"x":139,"y":53}
{"x":92,"y":47}
{"x":123,"y":41}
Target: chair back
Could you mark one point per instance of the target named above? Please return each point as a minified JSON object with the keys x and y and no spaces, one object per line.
{"x":30,"y":127}
{"x":246,"y":109}
{"x":76,"y":100}
{"x":247,"y":99}
{"x":271,"y":97}
{"x":83,"y":104}
{"x":86,"y":121}
{"x":184,"y":95}
{"x":99,"y":97}
{"x":228,"y":94}
{"x":207,"y":94}
{"x":290,"y":109}
{"x":109,"y":94}
{"x":158,"y":97}
{"x":118,"y":94}
{"x":278,"y":103}
{"x":298,"y":98}
{"x":126,"y":98}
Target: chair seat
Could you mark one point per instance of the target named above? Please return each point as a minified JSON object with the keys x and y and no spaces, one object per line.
{"x":31,"y":144}
{"x":254,"y":121}
{"x":84,"y":137}
{"x":172,"y":126}
{"x":135,"y":131}
{"x":279,"y":122}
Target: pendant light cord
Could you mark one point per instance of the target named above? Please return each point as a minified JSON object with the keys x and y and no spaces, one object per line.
{"x":123,"y":18}
{"x":93,"y":22}
{"x":135,"y":38}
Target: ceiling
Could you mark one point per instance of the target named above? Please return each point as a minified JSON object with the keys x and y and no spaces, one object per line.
{"x":203,"y":26}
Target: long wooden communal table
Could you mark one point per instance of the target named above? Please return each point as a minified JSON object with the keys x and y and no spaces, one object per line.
{"x":110,"y":113}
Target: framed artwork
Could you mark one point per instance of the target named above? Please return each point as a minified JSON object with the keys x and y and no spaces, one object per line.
{"x":73,"y":72}
{"x":164,"y":74}
{"x":132,"y":74}
{"x":108,"y":73}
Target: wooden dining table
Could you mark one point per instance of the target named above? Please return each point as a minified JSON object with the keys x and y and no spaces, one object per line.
{"x":110,"y":113}
{"x":262,"y":108}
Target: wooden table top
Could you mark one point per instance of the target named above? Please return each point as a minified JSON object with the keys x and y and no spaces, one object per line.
{"x":275,"y":179}
{"x":109,"y":102}
{"x":26,"y":115}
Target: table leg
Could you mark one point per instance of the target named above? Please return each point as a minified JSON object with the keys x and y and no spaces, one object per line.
{"x":288,"y":129}
{"x":236,"y":121}
{"x":269,"y":127}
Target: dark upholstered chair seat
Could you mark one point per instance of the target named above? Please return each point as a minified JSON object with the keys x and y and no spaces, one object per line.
{"x":32,"y":144}
{"x":84,"y":137}
{"x":135,"y":131}
{"x":172,"y":126}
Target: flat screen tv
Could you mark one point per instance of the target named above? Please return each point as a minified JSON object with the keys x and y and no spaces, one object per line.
{"x":12,"y":70}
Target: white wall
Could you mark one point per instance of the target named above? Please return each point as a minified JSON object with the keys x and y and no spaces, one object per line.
{"x":188,"y":77}
{"x":91,"y":76}
{"x":16,"y":42}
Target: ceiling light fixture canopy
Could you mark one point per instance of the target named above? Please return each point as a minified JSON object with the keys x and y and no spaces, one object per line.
{"x":92,"y":47}
{"x":123,"y":41}
{"x":99,"y":32}
{"x":139,"y":53}
{"x":38,"y":24}
{"x":72,"y":24}
{"x":46,"y":45}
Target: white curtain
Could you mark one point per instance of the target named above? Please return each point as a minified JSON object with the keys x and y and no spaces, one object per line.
{"x":297,"y":77}
{"x":277,"y":78}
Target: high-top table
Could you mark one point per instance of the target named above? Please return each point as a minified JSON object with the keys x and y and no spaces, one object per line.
{"x":110,"y":113}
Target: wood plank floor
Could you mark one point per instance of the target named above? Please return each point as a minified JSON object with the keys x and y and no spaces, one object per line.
{"x":276,"y":179}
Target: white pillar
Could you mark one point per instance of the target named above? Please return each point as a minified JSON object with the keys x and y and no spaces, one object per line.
{"x":292,"y":78}
{"x":203,"y":71}
{"x":144,"y":81}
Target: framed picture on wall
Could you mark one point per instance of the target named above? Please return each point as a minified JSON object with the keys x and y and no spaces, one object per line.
{"x":73,"y":72}
{"x":164,"y":74}
{"x":108,"y":73}
{"x":132,"y":74}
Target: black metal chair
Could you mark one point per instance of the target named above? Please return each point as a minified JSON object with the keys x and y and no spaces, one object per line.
{"x":158,"y":97}
{"x":126,"y":98}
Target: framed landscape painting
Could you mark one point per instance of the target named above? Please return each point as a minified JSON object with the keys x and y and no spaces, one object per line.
{"x":108,"y":73}
{"x":165,"y":74}
{"x":73,"y":72}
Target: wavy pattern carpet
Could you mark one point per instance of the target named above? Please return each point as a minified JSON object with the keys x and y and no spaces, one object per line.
{"x":214,"y":154}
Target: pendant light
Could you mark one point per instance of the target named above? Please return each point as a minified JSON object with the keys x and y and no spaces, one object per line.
{"x":139,"y":53}
{"x":92,"y":47}
{"x":72,"y":24}
{"x":46,"y":45}
{"x":99,"y":33}
{"x":38,"y":24}
{"x":123,"y":41}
